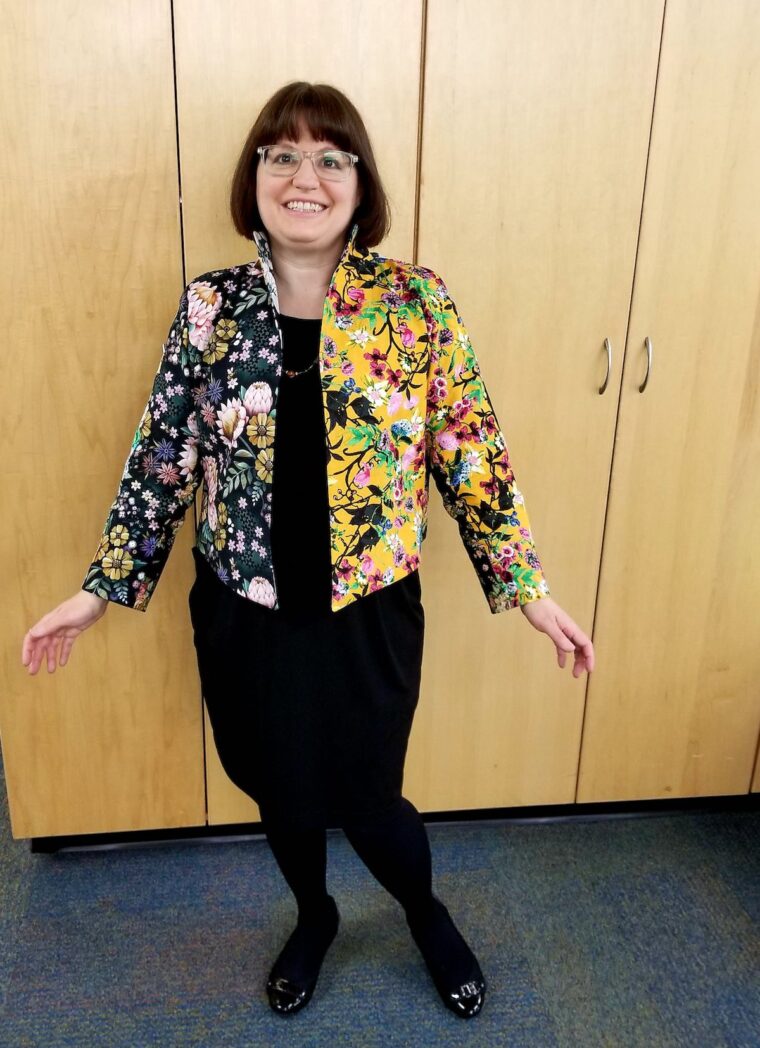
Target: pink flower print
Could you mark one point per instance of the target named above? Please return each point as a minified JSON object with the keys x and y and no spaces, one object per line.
{"x":344,"y":570}
{"x":367,"y":564}
{"x":408,"y":338}
{"x":447,"y":440}
{"x":258,"y":399}
{"x":209,"y":475}
{"x":203,"y":304}
{"x":230,"y":421}
{"x":168,"y":473}
{"x":362,"y":477}
{"x":188,"y":458}
{"x":462,"y":408}
{"x":356,"y":295}
{"x":397,"y":400}
{"x":413,"y":454}
{"x":260,"y":591}
{"x":437,"y":389}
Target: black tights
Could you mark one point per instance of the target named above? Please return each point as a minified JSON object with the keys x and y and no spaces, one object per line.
{"x":395,"y":848}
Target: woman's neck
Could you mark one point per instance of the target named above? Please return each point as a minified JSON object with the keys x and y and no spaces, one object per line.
{"x":303,"y":279}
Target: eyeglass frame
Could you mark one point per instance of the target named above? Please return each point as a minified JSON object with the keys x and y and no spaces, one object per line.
{"x":304,"y":153}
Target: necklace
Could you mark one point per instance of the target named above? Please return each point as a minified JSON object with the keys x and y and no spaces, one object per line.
{"x":293,"y":374}
{"x":289,"y":372}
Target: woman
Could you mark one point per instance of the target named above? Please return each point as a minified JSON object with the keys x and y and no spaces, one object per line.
{"x":306,"y":608}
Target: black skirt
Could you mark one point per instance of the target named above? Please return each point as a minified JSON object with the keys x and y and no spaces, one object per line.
{"x":311,"y":709}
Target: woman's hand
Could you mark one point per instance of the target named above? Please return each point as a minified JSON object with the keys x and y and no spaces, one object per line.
{"x":548,"y":617}
{"x":61,"y":627}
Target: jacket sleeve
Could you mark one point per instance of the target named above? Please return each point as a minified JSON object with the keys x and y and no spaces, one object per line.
{"x":158,"y":481}
{"x":469,"y":461}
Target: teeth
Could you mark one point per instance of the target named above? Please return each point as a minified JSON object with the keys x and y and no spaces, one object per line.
{"x":298,"y":206}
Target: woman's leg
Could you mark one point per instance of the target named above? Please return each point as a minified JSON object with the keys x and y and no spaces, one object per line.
{"x":396,"y":850}
{"x":302,"y":858}
{"x":301,"y":855}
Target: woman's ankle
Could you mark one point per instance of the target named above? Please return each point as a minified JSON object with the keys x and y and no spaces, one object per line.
{"x":319,"y":910}
{"x":420,"y":911}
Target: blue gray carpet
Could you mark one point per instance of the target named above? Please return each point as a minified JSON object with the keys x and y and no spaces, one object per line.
{"x":627,"y":932}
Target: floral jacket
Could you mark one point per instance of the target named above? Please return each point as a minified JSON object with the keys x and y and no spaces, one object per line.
{"x":403,"y":397}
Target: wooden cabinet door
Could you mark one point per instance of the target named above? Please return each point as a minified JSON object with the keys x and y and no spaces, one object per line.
{"x":535,"y":129}
{"x":674,"y":705}
{"x":93,"y":262}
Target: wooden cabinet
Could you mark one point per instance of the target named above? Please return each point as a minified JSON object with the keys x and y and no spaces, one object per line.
{"x":533,"y":173}
{"x":674,"y":708}
{"x":586,"y":178}
{"x":93,"y":266}
{"x":606,"y":191}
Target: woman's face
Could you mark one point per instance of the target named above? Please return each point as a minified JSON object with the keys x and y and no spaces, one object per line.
{"x":310,"y":229}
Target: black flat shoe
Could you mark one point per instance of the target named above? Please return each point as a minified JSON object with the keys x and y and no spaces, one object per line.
{"x":466,"y":998}
{"x":287,"y":996}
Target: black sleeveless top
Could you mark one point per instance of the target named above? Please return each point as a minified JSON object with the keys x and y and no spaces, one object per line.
{"x":300,"y":513}
{"x":300,"y":505}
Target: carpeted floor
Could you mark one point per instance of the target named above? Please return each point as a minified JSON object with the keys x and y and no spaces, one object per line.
{"x":628,"y":932}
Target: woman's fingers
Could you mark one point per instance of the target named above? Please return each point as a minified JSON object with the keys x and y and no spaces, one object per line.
{"x":53,"y":645}
{"x":66,"y":646}
{"x":35,"y":655}
{"x":583,"y":649}
{"x":567,"y":636}
{"x":53,"y":636}
{"x":50,"y":652}
{"x":26,"y":648}
{"x":45,"y":646}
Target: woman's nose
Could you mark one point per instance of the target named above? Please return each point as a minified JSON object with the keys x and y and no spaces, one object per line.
{"x":306,"y":175}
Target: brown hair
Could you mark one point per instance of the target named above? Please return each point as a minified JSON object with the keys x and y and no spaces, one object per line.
{"x":328,"y":114}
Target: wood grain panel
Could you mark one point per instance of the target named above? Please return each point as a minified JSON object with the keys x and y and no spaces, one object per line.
{"x":535,"y":129}
{"x":92,"y":259}
{"x":674,"y":707}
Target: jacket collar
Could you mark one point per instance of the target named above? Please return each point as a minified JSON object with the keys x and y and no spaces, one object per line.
{"x":265,"y":257}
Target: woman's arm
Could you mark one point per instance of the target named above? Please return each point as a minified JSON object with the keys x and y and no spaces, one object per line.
{"x":472,"y":470}
{"x":470,"y":462}
{"x":159,"y":478}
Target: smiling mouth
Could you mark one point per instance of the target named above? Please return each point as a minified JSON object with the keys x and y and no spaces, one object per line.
{"x":304,"y":211}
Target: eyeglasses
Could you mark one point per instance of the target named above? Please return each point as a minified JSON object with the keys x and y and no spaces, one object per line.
{"x":333,"y":164}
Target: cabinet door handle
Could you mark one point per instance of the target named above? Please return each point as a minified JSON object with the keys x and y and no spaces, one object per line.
{"x":608,"y":347}
{"x":648,"y":344}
